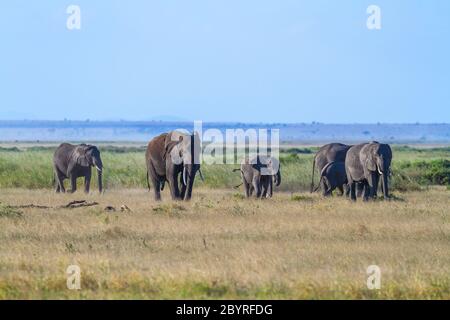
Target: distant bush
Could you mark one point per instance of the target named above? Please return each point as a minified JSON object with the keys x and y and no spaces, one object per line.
{"x":405,"y":148}
{"x":298,"y":151}
{"x":401,"y":182}
{"x":116,"y":149}
{"x":12,"y":149}
{"x":432,"y":172}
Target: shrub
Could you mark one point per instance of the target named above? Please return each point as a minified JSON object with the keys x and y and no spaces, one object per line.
{"x":426,"y":172}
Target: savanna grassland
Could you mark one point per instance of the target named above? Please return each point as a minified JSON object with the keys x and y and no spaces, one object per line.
{"x":294,"y":246}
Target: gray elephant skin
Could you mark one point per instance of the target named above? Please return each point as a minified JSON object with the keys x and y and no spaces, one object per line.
{"x":332,"y":152}
{"x":74,"y":161}
{"x":333,"y":176}
{"x":366,"y":163}
{"x":173,"y":157}
{"x":259,"y":174}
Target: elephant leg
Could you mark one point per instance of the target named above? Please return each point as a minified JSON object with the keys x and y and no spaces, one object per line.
{"x":247,"y":189}
{"x":359,"y":189}
{"x":73,"y":183}
{"x":376,"y":180}
{"x":329,"y":191}
{"x":183,"y":187}
{"x":371,"y":180}
{"x":156,"y":189}
{"x":156,"y":182}
{"x":324,"y":187}
{"x":347,"y":190}
{"x":87,"y":183}
{"x":341,"y":190}
{"x":367,"y":191}
{"x":264,"y":190}
{"x":250,"y":189}
{"x":59,"y":182}
{"x":270,"y":189}
{"x":174,"y":190}
{"x":257,"y":186}
{"x":352,"y":191}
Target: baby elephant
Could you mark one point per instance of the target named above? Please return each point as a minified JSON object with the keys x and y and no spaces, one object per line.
{"x":333,"y":176}
{"x":259,"y":174}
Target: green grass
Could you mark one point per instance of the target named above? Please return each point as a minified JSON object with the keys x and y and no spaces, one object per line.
{"x":31,"y":168}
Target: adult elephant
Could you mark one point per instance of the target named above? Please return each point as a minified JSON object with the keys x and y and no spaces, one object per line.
{"x":74,"y":161}
{"x":332,"y":152}
{"x":259,"y":174}
{"x":366,"y":163}
{"x":171,"y":157}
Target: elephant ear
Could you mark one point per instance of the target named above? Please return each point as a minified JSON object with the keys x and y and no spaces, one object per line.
{"x":172,"y":143}
{"x":275,"y":165}
{"x":370,"y":161}
{"x":80,"y":156}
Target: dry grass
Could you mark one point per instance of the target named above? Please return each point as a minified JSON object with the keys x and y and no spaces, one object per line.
{"x":222,"y":246}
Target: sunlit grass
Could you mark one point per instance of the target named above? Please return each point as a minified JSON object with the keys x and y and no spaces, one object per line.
{"x":294,"y":246}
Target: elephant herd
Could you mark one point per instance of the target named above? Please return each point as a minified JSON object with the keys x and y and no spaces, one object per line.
{"x":174,"y":158}
{"x":354,"y":170}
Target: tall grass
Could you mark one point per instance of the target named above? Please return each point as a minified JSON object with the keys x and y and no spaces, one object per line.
{"x":125,"y":168}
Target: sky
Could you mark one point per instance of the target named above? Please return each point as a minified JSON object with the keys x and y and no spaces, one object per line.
{"x":226,"y":60}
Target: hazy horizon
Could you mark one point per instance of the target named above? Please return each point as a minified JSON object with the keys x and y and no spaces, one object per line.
{"x":288,"y":132}
{"x":164,"y":120}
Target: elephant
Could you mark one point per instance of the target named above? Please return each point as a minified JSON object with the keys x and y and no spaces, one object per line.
{"x":172,"y":156}
{"x":366,"y":163}
{"x":333,"y":152}
{"x":259,"y":174}
{"x":333,"y":176}
{"x":74,"y":161}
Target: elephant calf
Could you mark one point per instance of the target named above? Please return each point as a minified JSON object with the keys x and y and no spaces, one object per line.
{"x":74,"y":161}
{"x":333,"y":176}
{"x":258,"y":176}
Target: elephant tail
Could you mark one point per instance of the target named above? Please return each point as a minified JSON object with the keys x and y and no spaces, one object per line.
{"x":236,"y":170}
{"x":318,"y":186}
{"x":312,"y":179}
{"x":148,"y":182}
{"x":235,"y":187}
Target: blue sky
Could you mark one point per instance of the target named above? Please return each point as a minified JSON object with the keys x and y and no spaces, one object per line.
{"x":226,"y":60}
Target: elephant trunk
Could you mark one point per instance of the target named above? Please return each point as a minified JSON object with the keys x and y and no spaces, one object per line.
{"x":189,"y":185}
{"x":385,"y":185}
{"x":98,"y":164}
{"x":383,"y":170}
{"x":278,"y":178}
{"x":100,"y":182}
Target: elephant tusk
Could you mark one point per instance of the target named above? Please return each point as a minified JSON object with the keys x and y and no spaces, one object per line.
{"x":379,"y":171}
{"x":98,"y":169}
{"x":184,"y":177}
{"x":201,"y":175}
